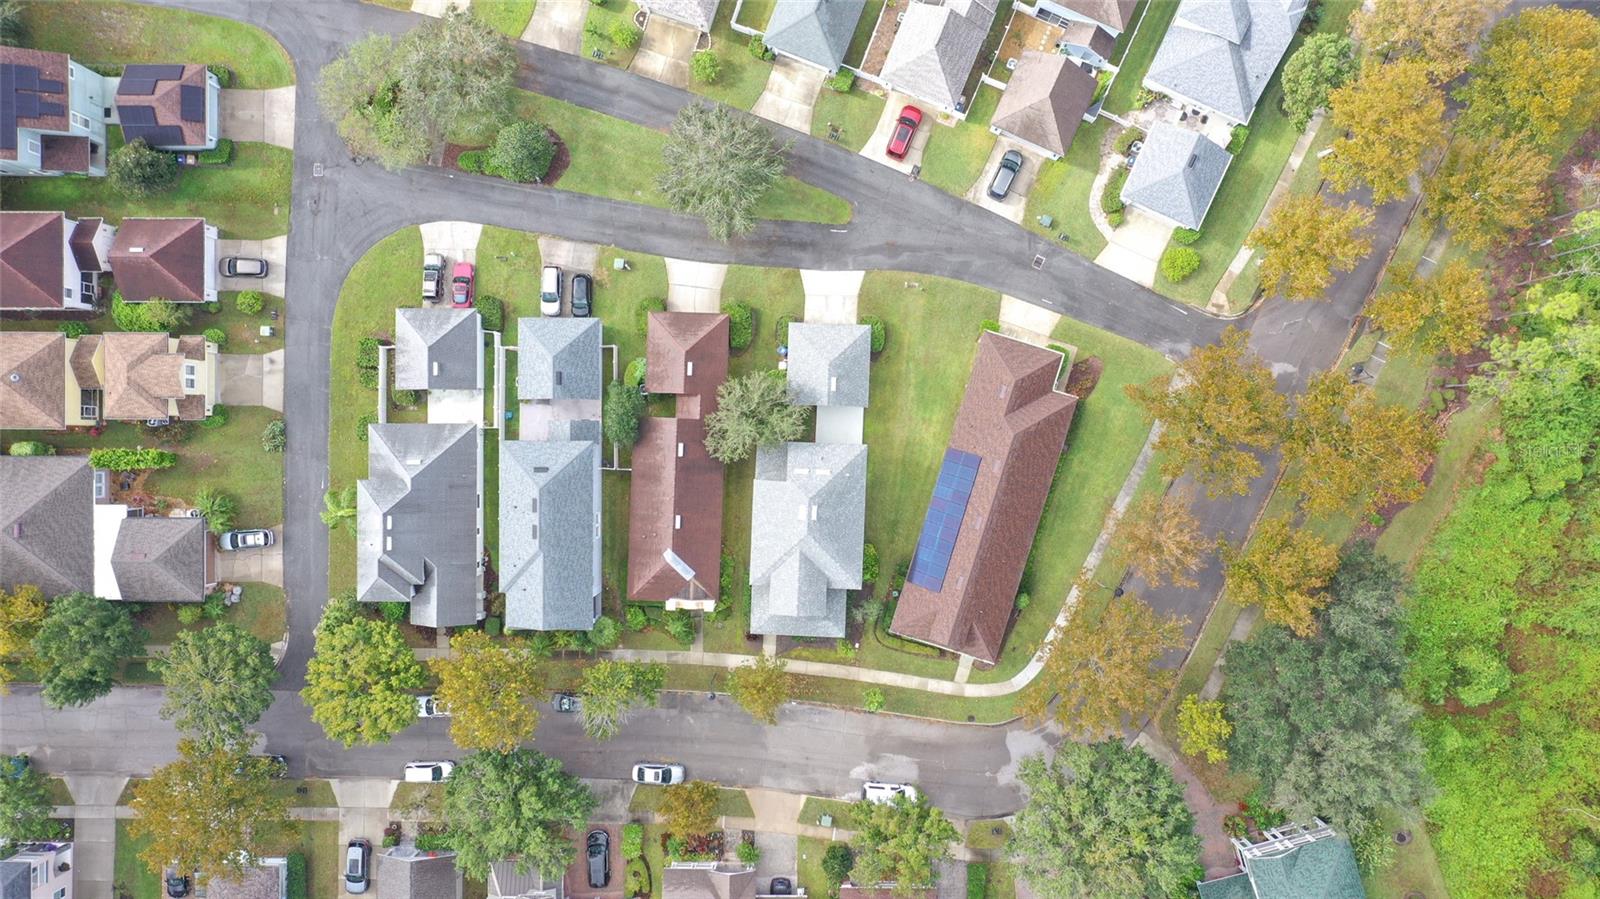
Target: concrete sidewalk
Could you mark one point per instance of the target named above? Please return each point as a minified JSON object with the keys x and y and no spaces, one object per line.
{"x":94,"y":826}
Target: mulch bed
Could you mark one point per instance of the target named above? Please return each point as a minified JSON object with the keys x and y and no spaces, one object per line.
{"x":558,"y":165}
{"x":1084,"y":376}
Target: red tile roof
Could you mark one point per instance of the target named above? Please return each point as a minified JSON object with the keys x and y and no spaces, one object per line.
{"x":160,"y":257}
{"x":31,"y":260}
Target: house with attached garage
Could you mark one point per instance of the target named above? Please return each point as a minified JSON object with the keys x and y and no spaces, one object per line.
{"x":53,"y":115}
{"x":165,"y":258}
{"x":697,"y":14}
{"x":170,"y":107}
{"x":815,"y":32}
{"x":1048,"y":97}
{"x":1291,"y":862}
{"x":406,"y":872}
{"x":50,"y":263}
{"x":936,"y":49}
{"x":1176,"y":175}
{"x":1111,"y":16}
{"x":438,"y":349}
{"x":1218,"y":55}
{"x":50,"y":382}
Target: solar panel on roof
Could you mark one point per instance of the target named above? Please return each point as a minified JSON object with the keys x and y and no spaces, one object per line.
{"x":136,"y":115}
{"x":26,"y":78}
{"x":192,"y":103}
{"x":156,"y":136}
{"x":52,"y":86}
{"x":942,"y":524}
{"x":153,"y":72}
{"x":135,"y":87}
{"x":52,"y":109}
{"x":27,"y":105}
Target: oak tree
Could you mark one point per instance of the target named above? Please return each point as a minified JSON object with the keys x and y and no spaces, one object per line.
{"x":214,"y":811}
{"x":1537,"y":79}
{"x":1160,"y":540}
{"x":1389,"y":118}
{"x":1324,"y":62}
{"x":491,"y":688}
{"x":25,"y":808}
{"x":611,"y":690}
{"x":80,"y":646}
{"x":360,"y":679}
{"x":899,"y":842}
{"x":1103,"y":669}
{"x":1488,"y":188}
{"x":1438,"y":33}
{"x":690,"y":809}
{"x":1283,"y":570}
{"x":752,"y":411}
{"x":517,"y":804}
{"x":219,"y":682}
{"x":22,"y":610}
{"x":719,"y":163}
{"x":1306,"y":240}
{"x":761,"y":687}
{"x":1344,"y":445}
{"x":1449,"y":311}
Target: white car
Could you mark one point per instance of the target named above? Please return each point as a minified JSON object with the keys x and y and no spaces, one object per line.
{"x":428,"y":707}
{"x":429,"y":772}
{"x":884,"y":793}
{"x":657,"y":775}
{"x":550,"y":291}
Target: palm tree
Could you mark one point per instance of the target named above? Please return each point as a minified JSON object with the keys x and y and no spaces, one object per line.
{"x":217,"y":508}
{"x":339,"y":507}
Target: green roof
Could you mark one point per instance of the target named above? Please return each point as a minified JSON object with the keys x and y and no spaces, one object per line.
{"x":1325,"y":869}
{"x":1235,"y":887}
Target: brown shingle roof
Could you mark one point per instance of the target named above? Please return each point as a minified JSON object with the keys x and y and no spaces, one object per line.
{"x":82,"y":361}
{"x":165,"y":102}
{"x":725,"y":881}
{"x":31,"y":259}
{"x":52,"y":67}
{"x":84,"y":251}
{"x":141,"y":375}
{"x":1046,"y":99}
{"x":33,"y":380}
{"x":1113,"y":13}
{"x":161,"y":559}
{"x":64,"y":153}
{"x":674,"y":341}
{"x":1012,"y":418}
{"x":670,"y":489}
{"x":1092,"y":36}
{"x":163,"y":258}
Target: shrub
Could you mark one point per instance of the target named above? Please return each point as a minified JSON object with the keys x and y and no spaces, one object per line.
{"x":217,"y":336}
{"x":124,"y":459}
{"x":493,"y":626}
{"x":869,"y":563}
{"x":632,"y":841}
{"x":1145,"y":97}
{"x":394,"y":612}
{"x":368,"y":377}
{"x":1111,"y":194}
{"x":367,"y":353}
{"x":217,"y":507}
{"x":706,"y":67}
{"x":213,"y":307}
{"x":641,"y":318}
{"x":522,"y":152}
{"x":137,"y":170}
{"x":249,"y":302}
{"x":633,"y":375}
{"x":749,"y":853}
{"x":636,"y":619}
{"x":758,"y":48}
{"x":32,"y":448}
{"x":296,"y":879}
{"x":680,"y":624}
{"x":1178,"y":263}
{"x":837,"y":862}
{"x":151,"y":315}
{"x":880,"y":331}
{"x":1236,"y":139}
{"x":624,"y":34}
{"x":217,"y":418}
{"x":434,"y":842}
{"x":221,"y":154}
{"x":1022,"y":602}
{"x":215,"y":606}
{"x":367,"y":418}
{"x":1185,"y":236}
{"x":491,"y":310}
{"x":989,"y":324}
{"x":73,"y":330}
{"x":224,"y":79}
{"x":606,"y":632}
{"x":1126,"y":138}
{"x":190,"y":614}
{"x":403,"y":397}
{"x":872,"y":699}
{"x":620,"y":415}
{"x":842,"y":81}
{"x":274,"y":437}
{"x":741,"y":325}
{"x":1114,"y":219}
{"x":781,"y":332}
{"x":472,"y":161}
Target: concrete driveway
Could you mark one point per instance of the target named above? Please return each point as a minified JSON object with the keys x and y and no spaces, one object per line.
{"x":558,"y":24}
{"x":572,"y":257}
{"x":456,"y":241}
{"x":831,"y":297}
{"x":273,"y":249}
{"x":1135,"y":248}
{"x":665,"y":51}
{"x":261,"y":566}
{"x":253,"y":379}
{"x":886,"y":122}
{"x":790,"y":94}
{"x":260,"y":116}
{"x":1015,"y":205}
{"x":437,"y":8}
{"x":694,"y":286}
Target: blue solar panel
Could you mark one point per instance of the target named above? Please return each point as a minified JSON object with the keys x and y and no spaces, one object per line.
{"x":942,"y":525}
{"x":192,"y":103}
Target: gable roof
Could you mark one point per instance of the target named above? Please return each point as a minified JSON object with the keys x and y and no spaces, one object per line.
{"x":708,"y":881}
{"x":817,"y":31}
{"x":87,"y":252}
{"x":697,"y":13}
{"x":417,"y":521}
{"x":31,"y":261}
{"x":680,"y":342}
{"x":675,"y":502}
{"x":506,"y":883}
{"x":1177,"y":174}
{"x":1295,"y":861}
{"x":1087,"y":34}
{"x":828,"y":364}
{"x":1014,"y":423}
{"x":33,"y":380}
{"x":164,"y":105}
{"x":808,"y":517}
{"x":558,"y":359}
{"x":550,"y":533}
{"x":404,"y":872}
{"x":160,"y":257}
{"x":16,"y":879}
{"x":936,"y":47}
{"x":33,"y":94}
{"x":1222,"y":53}
{"x":438,"y":349}
{"x":1114,"y":14}
{"x":161,"y":559}
{"x":1045,"y":100}
{"x":143,"y":373}
{"x":47,"y":523}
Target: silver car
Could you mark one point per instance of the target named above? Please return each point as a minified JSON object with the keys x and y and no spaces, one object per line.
{"x":657,"y":775}
{"x":357,"y":864}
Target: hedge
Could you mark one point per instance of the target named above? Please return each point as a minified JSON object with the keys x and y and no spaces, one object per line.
{"x":367,"y":353}
{"x":297,"y":880}
{"x":633,"y":375}
{"x":491,"y":310}
{"x":758,"y":48}
{"x":217,"y":418}
{"x":73,"y":330}
{"x":403,"y":397}
{"x":1111,"y":194}
{"x":367,"y":418}
{"x":274,"y":437}
{"x":124,"y":459}
{"x":642,"y":317}
{"x":1178,"y":263}
{"x":223,"y":73}
{"x":741,"y":325}
{"x":217,"y":336}
{"x":989,"y":324}
{"x":492,"y":626}
{"x":472,"y":161}
{"x":842,"y":81}
{"x":880,"y":331}
{"x":32,"y":448}
{"x":1236,"y":139}
{"x":221,"y":154}
{"x":367,"y":377}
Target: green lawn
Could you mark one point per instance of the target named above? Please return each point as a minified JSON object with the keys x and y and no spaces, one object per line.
{"x":603,"y":17}
{"x":244,"y":331}
{"x":815,"y":807}
{"x":987,"y":834}
{"x":1140,"y":50}
{"x":1126,"y":37}
{"x":743,"y":77}
{"x":102,"y":32}
{"x":130,"y":876}
{"x":731,"y":802}
{"x":508,"y":268}
{"x":509,"y":17}
{"x":1405,"y":536}
{"x":955,"y":155}
{"x":853,"y":116}
{"x":756,"y":13}
{"x":1415,"y":870}
{"x":262,"y":611}
{"x":1061,"y":191}
{"x":808,"y":859}
{"x":317,"y":793}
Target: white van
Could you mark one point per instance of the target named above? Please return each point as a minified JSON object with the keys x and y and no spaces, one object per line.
{"x":428,"y":772}
{"x":550,"y":291}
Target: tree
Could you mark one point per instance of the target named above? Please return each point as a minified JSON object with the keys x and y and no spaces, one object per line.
{"x":25,"y":808}
{"x":623,"y":409}
{"x":1438,"y":33}
{"x":217,"y":508}
{"x":360,"y":679}
{"x":1216,"y":404}
{"x":339,"y":507}
{"x":138,"y":170}
{"x":612,"y":689}
{"x":491,"y":687}
{"x":1537,"y":79}
{"x":22,"y":610}
{"x":219,"y":682}
{"x":1489,"y":188}
{"x":899,"y":842}
{"x":1390,"y":117}
{"x":1449,"y":311}
{"x":1103,"y":669}
{"x":1343,"y":445}
{"x":361,"y":94}
{"x":761,"y":687}
{"x":1283,"y":570}
{"x":1103,"y":820}
{"x":522,"y":151}
{"x":1202,"y":729}
{"x":80,"y":646}
{"x":705,"y":66}
{"x":13,"y":28}
{"x":752,"y":411}
{"x":1323,"y":63}
{"x":514,"y":805}
{"x":719,"y":164}
{"x":1306,"y":241}
{"x":690,"y":809}
{"x":837,"y":860}
{"x":1159,"y":539}
{"x":214,"y":811}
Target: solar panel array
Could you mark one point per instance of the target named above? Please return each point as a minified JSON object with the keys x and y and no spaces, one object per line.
{"x":192,"y":103}
{"x":23,"y":95}
{"x":942,"y":525}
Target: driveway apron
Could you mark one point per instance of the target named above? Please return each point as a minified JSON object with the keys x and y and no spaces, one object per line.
{"x":557,"y":24}
{"x":790,"y":94}
{"x":265,"y":116}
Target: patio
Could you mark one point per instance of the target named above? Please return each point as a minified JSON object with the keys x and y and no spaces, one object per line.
{"x":1023,"y":32}
{"x":1169,"y":111}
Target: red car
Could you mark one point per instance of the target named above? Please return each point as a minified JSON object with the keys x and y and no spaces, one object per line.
{"x":900,"y":140}
{"x":461,"y":286}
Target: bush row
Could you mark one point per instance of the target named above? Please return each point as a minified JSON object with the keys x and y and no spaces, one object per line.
{"x":124,"y":459}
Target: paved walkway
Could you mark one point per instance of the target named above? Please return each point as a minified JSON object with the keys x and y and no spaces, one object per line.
{"x":264,"y":116}
{"x":694,"y":286}
{"x":832,"y":297}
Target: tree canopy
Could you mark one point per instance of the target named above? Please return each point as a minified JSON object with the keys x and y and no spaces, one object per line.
{"x":690,"y":809}
{"x":514,"y":805}
{"x":1449,"y":311}
{"x":80,"y":646}
{"x":761,"y":687}
{"x":361,"y":676}
{"x":1343,"y":446}
{"x":1389,"y":118}
{"x":1438,"y":33}
{"x":1537,"y":79}
{"x":1283,"y":570}
{"x":752,"y":411}
{"x":899,"y":842}
{"x":1159,"y":539}
{"x":219,"y":682}
{"x":25,"y":808}
{"x":1324,"y":62}
{"x":1306,"y":240}
{"x":22,"y":610}
{"x":214,"y":810}
{"x":137,"y":170}
{"x":611,"y":689}
{"x":491,"y":688}
{"x":1488,"y":188}
{"x":719,"y":164}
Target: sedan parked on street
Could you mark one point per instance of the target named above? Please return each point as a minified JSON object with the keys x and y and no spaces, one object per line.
{"x":1010,"y":165}
{"x":243,"y":267}
{"x":253,"y":538}
{"x":599,"y":852}
{"x":582,"y":292}
{"x":428,"y":707}
{"x":461,"y":286}
{"x":885,"y":793}
{"x":429,"y":772}
{"x":357,"y":867}
{"x":904,"y":130}
{"x":566,"y":702}
{"x":657,"y":775}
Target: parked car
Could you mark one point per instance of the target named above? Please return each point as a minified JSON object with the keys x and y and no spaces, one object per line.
{"x":781,"y":886}
{"x":432,"y":277}
{"x":599,"y":859}
{"x":657,"y":775}
{"x":252,"y":538}
{"x":428,"y":707}
{"x":461,"y":286}
{"x":357,"y":873}
{"x":550,"y":291}
{"x":429,"y":772}
{"x":1010,"y":165}
{"x":875,"y":791}
{"x":582,"y":292}
{"x":904,"y":130}
{"x":177,"y":885}
{"x":566,"y":702}
{"x":243,"y":267}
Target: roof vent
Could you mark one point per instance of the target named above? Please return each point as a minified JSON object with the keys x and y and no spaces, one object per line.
{"x":677,"y":522}
{"x":680,"y":449}
{"x":833,"y":383}
{"x":436,"y":368}
{"x":16,"y":529}
{"x":540,"y":469}
{"x":813,"y":511}
{"x":136,"y":249}
{"x":14,"y":377}
{"x":558,"y":378}
{"x":1193,"y":159}
{"x":688,"y":368}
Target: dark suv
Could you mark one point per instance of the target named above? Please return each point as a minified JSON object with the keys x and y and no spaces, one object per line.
{"x":599,"y":859}
{"x":1010,"y":165}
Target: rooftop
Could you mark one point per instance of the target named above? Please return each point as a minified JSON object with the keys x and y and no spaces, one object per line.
{"x":550,"y":533}
{"x":1177,"y":174}
{"x":1222,"y":53}
{"x":160,"y":257}
{"x":161,"y":559}
{"x":818,"y":31}
{"x":808,"y":521}
{"x":559,"y":359}
{"x":829,"y":364}
{"x":438,"y":349}
{"x":164,"y":105}
{"x":33,"y":379}
{"x":31,"y":260}
{"x":47,"y":523}
{"x":936,"y":47}
{"x":1045,"y":100}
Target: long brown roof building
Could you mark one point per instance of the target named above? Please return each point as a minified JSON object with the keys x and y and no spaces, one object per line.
{"x":165,"y":258}
{"x":986,"y":504}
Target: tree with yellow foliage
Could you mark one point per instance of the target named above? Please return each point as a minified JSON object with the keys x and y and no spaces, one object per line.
{"x":21,"y":613}
{"x":1390,"y":117}
{"x":1306,"y":240}
{"x":1282,"y":570}
{"x":1489,"y":187}
{"x":1159,"y":539}
{"x":1449,"y":311}
{"x":1202,"y":729}
{"x":491,"y":688}
{"x":1537,"y":79}
{"x":1344,"y":445}
{"x":214,"y":810}
{"x":1437,"y":32}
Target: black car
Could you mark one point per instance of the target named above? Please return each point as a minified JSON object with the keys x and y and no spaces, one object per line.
{"x":1010,"y":165}
{"x":582,"y":291}
{"x":781,"y":886}
{"x":177,"y":884}
{"x":599,"y":859}
{"x":565,"y":702}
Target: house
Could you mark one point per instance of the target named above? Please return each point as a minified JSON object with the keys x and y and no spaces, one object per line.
{"x":697,"y":14}
{"x":808,"y":521}
{"x":37,"y":871}
{"x":49,"y":262}
{"x":1088,"y":43}
{"x":935,"y":50}
{"x":1176,"y":175}
{"x":1048,"y":97}
{"x":52,"y":115}
{"x":152,"y":559}
{"x":559,"y":377}
{"x":49,"y":381}
{"x":438,"y":349}
{"x":170,"y":107}
{"x":419,"y":522}
{"x":1218,"y":55}
{"x":1113,"y":16}
{"x":405,"y":872}
{"x":675,"y":498}
{"x":815,"y":32}
{"x":708,"y":880}
{"x":506,"y":883}
{"x":979,"y":528}
{"x":268,"y":878}
{"x":1289,"y":862}
{"x":828,"y":364}
{"x":165,"y":258}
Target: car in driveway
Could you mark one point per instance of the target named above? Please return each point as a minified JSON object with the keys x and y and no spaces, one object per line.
{"x":550,"y":290}
{"x":432,"y":277}
{"x":243,"y":267}
{"x":599,"y":853}
{"x":905,"y":128}
{"x":582,"y":296}
{"x":428,"y":707}
{"x":357,"y":867}
{"x":252,"y":538}
{"x":461,"y":286}
{"x":428,"y":772}
{"x":780,"y":886}
{"x":176,"y":886}
{"x":885,"y":793}
{"x":656,"y":774}
{"x":565,"y":702}
{"x":1010,"y":166}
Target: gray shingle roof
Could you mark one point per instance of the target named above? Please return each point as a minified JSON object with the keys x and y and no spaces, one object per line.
{"x":1177,"y":174}
{"x":697,"y":13}
{"x":417,"y":521}
{"x":438,"y":349}
{"x":161,"y":559}
{"x":558,"y":359}
{"x":47,"y":523}
{"x":16,"y":880}
{"x":936,"y":47}
{"x":809,"y":519}
{"x":405,"y":873}
{"x":1045,"y":100}
{"x":1222,"y":53}
{"x":817,"y":31}
{"x":828,"y":364}
{"x":550,"y":533}
{"x":506,"y":883}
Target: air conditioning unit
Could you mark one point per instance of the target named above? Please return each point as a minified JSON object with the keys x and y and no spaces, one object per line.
{"x":1011,"y":64}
